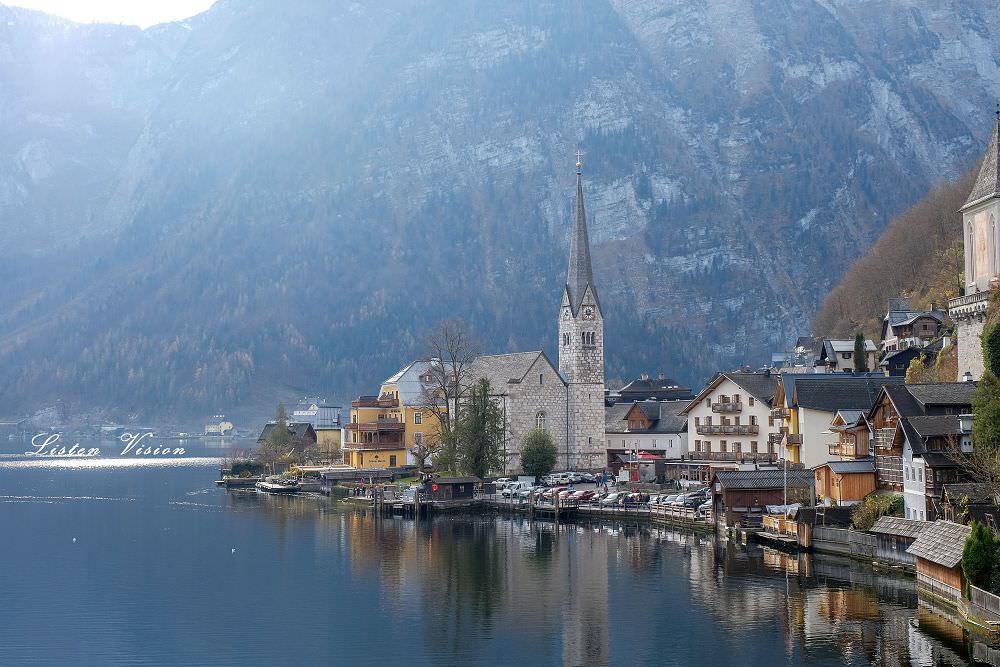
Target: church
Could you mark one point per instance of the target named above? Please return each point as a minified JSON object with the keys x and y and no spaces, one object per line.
{"x":567,"y":401}
{"x":982,"y":260}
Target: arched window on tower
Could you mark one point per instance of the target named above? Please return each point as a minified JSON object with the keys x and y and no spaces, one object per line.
{"x":972,"y":256}
{"x":565,"y":339}
{"x":540,"y":420}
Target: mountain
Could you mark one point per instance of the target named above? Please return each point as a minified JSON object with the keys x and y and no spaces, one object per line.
{"x":279,"y":197}
{"x":919,"y":255}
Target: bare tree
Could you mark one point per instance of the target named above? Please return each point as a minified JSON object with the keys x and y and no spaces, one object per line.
{"x":451,"y":351}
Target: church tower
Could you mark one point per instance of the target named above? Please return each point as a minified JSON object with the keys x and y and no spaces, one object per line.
{"x":980,"y":216}
{"x":581,"y":348}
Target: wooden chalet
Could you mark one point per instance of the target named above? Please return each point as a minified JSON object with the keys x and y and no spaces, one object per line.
{"x":893,"y":536}
{"x":845,"y":482}
{"x":968,"y":502}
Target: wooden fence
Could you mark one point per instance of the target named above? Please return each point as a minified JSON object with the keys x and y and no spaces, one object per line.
{"x":988,"y":604}
{"x":938,"y":588}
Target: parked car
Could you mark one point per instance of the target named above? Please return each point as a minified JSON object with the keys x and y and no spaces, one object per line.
{"x":611,"y":499}
{"x":511,"y":489}
{"x":584,"y":496}
{"x":693,"y":502}
{"x":588,"y":477}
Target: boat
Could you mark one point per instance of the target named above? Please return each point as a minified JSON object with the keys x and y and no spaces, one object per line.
{"x":278,"y":486}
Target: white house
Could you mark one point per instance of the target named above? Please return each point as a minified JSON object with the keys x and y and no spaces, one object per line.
{"x":651,"y":427}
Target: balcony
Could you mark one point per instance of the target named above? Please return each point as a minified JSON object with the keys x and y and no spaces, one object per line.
{"x":794,"y":439}
{"x":377,"y":426}
{"x":727,"y":406}
{"x":733,"y":456}
{"x":846,"y":450}
{"x":781,"y":413}
{"x":374,"y":402}
{"x":379,"y":444}
{"x":970,"y":305}
{"x":728,"y":429}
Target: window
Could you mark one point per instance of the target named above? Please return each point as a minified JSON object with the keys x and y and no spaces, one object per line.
{"x":750,"y":401}
{"x":770,"y":421}
{"x":722,"y":446}
{"x":920,"y":474}
{"x":708,"y":403}
{"x":418,"y":439}
{"x":540,"y":420}
{"x":418,"y":418}
{"x":753,"y":420}
{"x":770,"y":447}
{"x":697,"y":445}
{"x":736,"y":398}
{"x":738,"y":447}
{"x":392,"y":460}
{"x":753,"y":446}
{"x":736,"y":420}
{"x":589,"y":338}
{"x":540,"y":378}
{"x":846,"y":355}
{"x":565,"y":338}
{"x":708,"y":421}
{"x":697,"y":422}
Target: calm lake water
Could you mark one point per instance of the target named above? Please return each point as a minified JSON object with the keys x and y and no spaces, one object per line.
{"x":152,"y":578}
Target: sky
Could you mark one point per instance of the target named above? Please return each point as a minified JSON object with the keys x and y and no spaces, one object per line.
{"x":143,"y":13}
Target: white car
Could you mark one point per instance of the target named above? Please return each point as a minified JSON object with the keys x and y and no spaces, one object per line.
{"x":611,"y":499}
{"x":511,"y":489}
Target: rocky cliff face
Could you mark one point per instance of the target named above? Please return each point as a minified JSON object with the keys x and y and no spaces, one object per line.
{"x":266,"y":197}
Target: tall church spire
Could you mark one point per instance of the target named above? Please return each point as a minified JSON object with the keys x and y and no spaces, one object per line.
{"x":580,"y":275}
{"x":988,"y":182}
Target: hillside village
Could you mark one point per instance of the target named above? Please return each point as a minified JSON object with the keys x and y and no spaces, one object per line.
{"x":871,"y":426}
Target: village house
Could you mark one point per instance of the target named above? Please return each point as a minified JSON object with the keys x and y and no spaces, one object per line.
{"x":852,"y":431}
{"x":739,"y":493}
{"x":645,"y":388}
{"x":302,"y":434}
{"x":916,"y":433}
{"x":805,"y":407}
{"x":970,"y":501}
{"x":729,"y":423}
{"x":938,"y":553}
{"x":838,"y":355}
{"x":904,"y":327}
{"x":384,"y":429}
{"x":329,"y":429}
{"x":653,"y":428}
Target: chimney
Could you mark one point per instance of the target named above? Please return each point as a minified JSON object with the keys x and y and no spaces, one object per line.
{"x":644,"y":376}
{"x":967,"y":377}
{"x":945,"y":342}
{"x":662,"y":376}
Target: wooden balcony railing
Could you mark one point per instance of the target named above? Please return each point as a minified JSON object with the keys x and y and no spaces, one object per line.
{"x":727,"y":429}
{"x":374,"y":402}
{"x":727,"y":406}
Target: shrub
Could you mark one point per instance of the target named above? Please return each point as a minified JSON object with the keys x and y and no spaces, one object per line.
{"x":538,"y":453}
{"x":868,"y":511}
{"x":979,"y":557}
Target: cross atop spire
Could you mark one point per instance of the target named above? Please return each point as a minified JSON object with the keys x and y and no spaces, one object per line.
{"x":579,"y":153}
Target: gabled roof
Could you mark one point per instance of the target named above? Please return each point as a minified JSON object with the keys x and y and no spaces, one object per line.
{"x":941,"y":542}
{"x":759,"y":385}
{"x":504,"y":369}
{"x":936,"y":425}
{"x":897,"y":525}
{"x":764,"y":479}
{"x":665,"y":416}
{"x":988,"y":181}
{"x":955,"y":394}
{"x":829,"y":392}
{"x":854,"y":467}
{"x":846,"y":345}
{"x":977,"y":494}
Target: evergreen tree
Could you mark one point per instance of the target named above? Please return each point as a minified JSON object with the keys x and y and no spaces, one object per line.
{"x":538,"y":453}
{"x":860,"y":354}
{"x":979,"y":557}
{"x":480,"y":433}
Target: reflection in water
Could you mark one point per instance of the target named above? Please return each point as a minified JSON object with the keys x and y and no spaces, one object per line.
{"x":187,"y":564}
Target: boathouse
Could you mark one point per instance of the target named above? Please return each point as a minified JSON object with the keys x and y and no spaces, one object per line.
{"x":938,"y":552}
{"x":893,"y":536}
{"x":738,"y":493}
{"x":451,"y":488}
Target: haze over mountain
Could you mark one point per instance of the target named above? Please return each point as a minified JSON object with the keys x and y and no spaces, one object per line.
{"x":284,"y":197}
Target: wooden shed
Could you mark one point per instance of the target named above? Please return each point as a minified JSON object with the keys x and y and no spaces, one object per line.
{"x":451,"y":488}
{"x":938,"y":551}
{"x":845,"y":482}
{"x":893,"y":536}
{"x":737,"y":493}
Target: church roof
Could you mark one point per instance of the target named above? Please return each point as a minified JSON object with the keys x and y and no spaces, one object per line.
{"x":580,"y":275}
{"x":988,"y":182}
{"x":503,"y":369}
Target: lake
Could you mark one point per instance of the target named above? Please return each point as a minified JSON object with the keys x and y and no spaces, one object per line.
{"x":135,"y":561}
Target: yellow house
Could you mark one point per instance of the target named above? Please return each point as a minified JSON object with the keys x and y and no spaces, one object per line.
{"x":384,"y":428}
{"x":328,"y":430}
